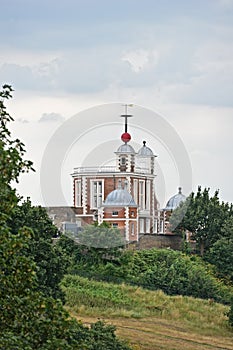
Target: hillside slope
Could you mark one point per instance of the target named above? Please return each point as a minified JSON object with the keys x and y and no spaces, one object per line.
{"x":150,"y":319}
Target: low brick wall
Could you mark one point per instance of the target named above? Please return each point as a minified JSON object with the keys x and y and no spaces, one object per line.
{"x":158,"y":241}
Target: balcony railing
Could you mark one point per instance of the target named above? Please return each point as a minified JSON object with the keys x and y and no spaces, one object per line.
{"x":97,"y":169}
{"x":106,"y":169}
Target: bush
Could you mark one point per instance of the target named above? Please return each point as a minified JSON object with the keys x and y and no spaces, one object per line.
{"x":170,"y":271}
{"x":176,"y":273}
{"x":230,"y":313}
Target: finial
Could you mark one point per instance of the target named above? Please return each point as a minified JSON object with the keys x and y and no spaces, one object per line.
{"x":180,"y":190}
{"x":144,"y":143}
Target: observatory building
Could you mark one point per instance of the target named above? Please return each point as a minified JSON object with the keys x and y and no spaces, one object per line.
{"x":123,"y":195}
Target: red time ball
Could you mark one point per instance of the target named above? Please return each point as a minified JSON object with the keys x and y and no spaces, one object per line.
{"x":125,"y":137}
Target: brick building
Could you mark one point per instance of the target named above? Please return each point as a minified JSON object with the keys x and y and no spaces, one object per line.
{"x":123,"y":195}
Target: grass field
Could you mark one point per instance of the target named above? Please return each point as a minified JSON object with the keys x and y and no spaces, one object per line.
{"x":152,"y":333}
{"x":150,"y":319}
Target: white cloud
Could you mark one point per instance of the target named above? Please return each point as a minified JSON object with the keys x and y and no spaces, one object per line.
{"x":21,"y":120}
{"x":140,"y":59}
{"x":214,"y":57}
{"x":51,"y":117}
{"x":27,"y":57}
{"x":225,"y":4}
{"x":170,"y":60}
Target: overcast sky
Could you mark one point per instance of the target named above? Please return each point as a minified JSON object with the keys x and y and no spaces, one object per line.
{"x":174,"y":57}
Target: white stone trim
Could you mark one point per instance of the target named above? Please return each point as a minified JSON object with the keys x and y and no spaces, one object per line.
{"x":84,"y":193}
{"x":127,"y":224}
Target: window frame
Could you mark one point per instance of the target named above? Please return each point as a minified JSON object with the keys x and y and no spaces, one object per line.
{"x":97,"y":195}
{"x":141,"y":194}
{"x":78,"y":192}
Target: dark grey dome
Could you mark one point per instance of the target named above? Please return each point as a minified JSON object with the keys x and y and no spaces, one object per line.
{"x":119,"y":197}
{"x":145,"y":151}
{"x":175,"y":201}
{"x":125,"y":148}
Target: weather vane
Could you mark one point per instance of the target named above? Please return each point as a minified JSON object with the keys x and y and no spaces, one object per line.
{"x":126,"y":136}
{"x":126,"y":115}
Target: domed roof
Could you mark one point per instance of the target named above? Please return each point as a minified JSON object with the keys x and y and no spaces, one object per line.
{"x":175,"y":201}
{"x":119,"y":197}
{"x":145,"y":151}
{"x":125,"y":148}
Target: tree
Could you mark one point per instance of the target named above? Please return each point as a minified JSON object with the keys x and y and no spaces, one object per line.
{"x":51,"y":261}
{"x":92,"y":250}
{"x":101,"y":236}
{"x":101,"y":241}
{"x":24,"y":311}
{"x":230,"y":314}
{"x":220,"y":254}
{"x":202,"y":215}
{"x":12,"y":163}
{"x":29,"y":320}
{"x":36,"y":217}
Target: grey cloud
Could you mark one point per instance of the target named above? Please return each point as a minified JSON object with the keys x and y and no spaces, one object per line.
{"x":51,"y":117}
{"x":183,"y":72}
{"x":18,"y":76}
{"x":22,"y":120}
{"x":25,"y":77}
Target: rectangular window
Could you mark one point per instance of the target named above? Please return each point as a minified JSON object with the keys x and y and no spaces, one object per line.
{"x":115,"y":213}
{"x":132,"y":229}
{"x":115,"y":225}
{"x":142,"y":195}
{"x":78,"y":190}
{"x":147,"y":225}
{"x":123,"y":161}
{"x":141,"y":223}
{"x":148,"y":196}
{"x":161,"y":228}
{"x":97,"y":194}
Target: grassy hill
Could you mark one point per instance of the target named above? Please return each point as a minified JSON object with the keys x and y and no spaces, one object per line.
{"x":150,"y":319}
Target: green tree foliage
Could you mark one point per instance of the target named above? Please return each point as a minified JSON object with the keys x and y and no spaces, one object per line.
{"x":101,"y":237}
{"x":35,"y":217}
{"x":102,"y":336}
{"x":202,"y":215}
{"x":221,"y":255}
{"x":221,"y":252}
{"x":97,"y":243}
{"x":29,"y":320}
{"x":177,"y":273}
{"x":51,"y":261}
{"x":171,"y":271}
{"x":12,"y":163}
{"x":230,"y":313}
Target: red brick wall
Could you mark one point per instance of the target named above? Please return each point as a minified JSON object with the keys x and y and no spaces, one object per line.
{"x":132,"y":237}
{"x":108,"y":213}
